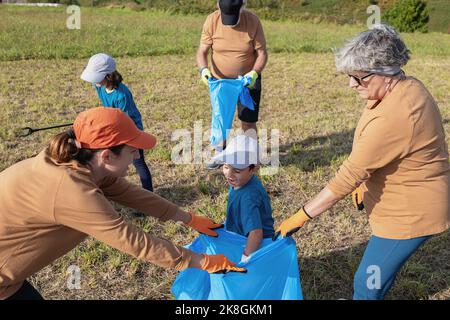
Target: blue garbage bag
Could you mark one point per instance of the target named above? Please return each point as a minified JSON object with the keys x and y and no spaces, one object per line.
{"x":272,"y":271}
{"x":224,"y":95}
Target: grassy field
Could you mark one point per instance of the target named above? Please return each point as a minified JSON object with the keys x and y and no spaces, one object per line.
{"x":336,"y":11}
{"x":43,"y":34}
{"x":303,"y":97}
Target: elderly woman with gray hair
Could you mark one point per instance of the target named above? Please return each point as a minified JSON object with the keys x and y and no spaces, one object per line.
{"x":398,"y":169}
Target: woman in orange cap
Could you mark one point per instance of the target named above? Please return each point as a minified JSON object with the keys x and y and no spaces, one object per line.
{"x":69,"y":188}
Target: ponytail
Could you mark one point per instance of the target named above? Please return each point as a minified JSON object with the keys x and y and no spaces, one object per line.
{"x":63,"y":148}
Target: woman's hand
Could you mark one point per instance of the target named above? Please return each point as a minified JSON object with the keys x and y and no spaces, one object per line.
{"x":357,"y":198}
{"x":216,"y":263}
{"x":203,"y":224}
{"x":322,"y":202}
{"x":292,"y":224}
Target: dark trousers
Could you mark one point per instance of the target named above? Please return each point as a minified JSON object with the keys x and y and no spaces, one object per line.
{"x":26,"y":292}
{"x":143,"y":172}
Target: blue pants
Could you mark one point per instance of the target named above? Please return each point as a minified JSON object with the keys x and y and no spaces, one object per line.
{"x":380,"y":264}
{"x":143,"y":172}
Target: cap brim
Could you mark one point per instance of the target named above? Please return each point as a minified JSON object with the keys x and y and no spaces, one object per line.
{"x":93,"y":77}
{"x":229,"y":19}
{"x":232,"y":160}
{"x":143,"y":141}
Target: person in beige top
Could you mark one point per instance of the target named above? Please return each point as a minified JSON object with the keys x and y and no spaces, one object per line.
{"x":236,"y":38}
{"x":398,"y":169}
{"x":69,"y":186}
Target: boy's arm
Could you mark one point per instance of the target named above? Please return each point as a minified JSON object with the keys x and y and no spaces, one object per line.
{"x":253,"y":241}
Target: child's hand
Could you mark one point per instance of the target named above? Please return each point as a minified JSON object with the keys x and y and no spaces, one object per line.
{"x":204,"y":225}
{"x":245,"y":258}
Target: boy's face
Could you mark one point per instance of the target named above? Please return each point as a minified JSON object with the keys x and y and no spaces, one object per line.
{"x":237,"y":177}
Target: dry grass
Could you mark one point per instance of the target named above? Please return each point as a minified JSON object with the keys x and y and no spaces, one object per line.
{"x":303,"y":98}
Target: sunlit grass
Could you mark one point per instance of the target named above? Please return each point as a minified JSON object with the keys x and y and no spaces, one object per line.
{"x":30,"y":33}
{"x":303,"y":98}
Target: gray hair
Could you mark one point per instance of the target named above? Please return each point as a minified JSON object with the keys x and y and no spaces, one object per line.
{"x":380,"y":50}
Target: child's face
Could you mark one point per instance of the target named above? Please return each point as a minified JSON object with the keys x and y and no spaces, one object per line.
{"x":101,"y":84}
{"x":236,"y":177}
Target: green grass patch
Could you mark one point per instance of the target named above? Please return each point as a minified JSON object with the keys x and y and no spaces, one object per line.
{"x":41,"y":33}
{"x":335,"y":11}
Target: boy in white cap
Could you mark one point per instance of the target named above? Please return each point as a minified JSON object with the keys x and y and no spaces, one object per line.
{"x":249,"y":212}
{"x":101,"y":71}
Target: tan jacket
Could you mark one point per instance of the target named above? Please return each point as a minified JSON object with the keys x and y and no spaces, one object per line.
{"x":233,"y":48}
{"x":46,"y":209}
{"x":400,"y":156}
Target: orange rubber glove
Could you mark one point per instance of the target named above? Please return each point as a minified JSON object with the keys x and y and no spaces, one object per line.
{"x":357,"y":198}
{"x":218,"y":263}
{"x":203,"y":225}
{"x":292,"y":224}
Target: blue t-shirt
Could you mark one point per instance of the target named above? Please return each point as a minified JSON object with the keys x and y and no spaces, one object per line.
{"x":249,"y":208}
{"x":122,"y":99}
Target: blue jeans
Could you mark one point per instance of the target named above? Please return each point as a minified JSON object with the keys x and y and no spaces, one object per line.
{"x":380,"y":264}
{"x":143,"y":172}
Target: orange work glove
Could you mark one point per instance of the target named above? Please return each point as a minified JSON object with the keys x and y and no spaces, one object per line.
{"x":218,"y":263}
{"x":203,"y":225}
{"x":357,"y":198}
{"x":292,"y":224}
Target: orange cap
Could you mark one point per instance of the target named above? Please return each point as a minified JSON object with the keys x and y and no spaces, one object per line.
{"x":103,"y":128}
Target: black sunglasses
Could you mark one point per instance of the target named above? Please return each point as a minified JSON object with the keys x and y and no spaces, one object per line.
{"x":360,"y":79}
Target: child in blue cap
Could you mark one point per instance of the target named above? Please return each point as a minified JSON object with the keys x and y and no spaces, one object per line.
{"x":249,"y":212}
{"x":101,"y":71}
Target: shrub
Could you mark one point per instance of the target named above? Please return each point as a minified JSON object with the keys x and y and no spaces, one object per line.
{"x":409,"y":16}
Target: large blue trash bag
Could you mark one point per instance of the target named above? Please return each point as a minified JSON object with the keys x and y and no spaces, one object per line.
{"x":224,"y":95}
{"x":272,"y":271}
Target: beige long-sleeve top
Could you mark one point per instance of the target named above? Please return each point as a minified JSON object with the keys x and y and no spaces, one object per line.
{"x":400,"y":157}
{"x":46,"y":209}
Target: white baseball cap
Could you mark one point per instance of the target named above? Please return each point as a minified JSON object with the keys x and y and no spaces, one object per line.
{"x":241,"y":152}
{"x":98,"y":67}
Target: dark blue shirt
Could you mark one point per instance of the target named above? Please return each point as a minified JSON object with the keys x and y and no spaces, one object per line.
{"x":122,"y":99}
{"x":249,"y":208}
